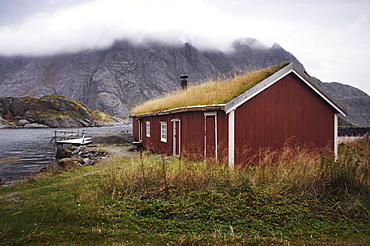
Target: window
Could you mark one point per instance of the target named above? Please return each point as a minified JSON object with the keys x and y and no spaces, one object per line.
{"x":147,"y":128}
{"x":163,"y":131}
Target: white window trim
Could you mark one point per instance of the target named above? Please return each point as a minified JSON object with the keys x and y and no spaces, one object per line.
{"x":174,"y":147}
{"x":163,"y":135}
{"x":147,"y":132}
{"x":211,"y":114}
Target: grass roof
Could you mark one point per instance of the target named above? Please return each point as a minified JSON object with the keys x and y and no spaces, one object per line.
{"x":209,"y":93}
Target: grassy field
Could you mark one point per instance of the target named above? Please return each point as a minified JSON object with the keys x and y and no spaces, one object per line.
{"x":300,"y":198}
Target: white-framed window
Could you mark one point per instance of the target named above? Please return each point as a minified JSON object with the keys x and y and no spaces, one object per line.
{"x":147,"y":124}
{"x":163,"y":131}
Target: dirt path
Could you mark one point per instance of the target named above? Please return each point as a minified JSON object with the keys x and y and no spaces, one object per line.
{"x":114,"y":150}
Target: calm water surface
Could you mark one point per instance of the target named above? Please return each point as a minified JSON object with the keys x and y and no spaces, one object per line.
{"x":24,"y":152}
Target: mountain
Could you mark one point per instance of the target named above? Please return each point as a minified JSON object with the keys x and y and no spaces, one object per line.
{"x":116,"y":79}
{"x":356,"y":101}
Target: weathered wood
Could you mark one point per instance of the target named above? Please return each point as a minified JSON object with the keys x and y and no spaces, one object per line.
{"x":71,"y":137}
{"x":77,"y":141}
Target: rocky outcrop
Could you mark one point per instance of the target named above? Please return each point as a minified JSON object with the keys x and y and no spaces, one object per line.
{"x":70,"y":157}
{"x":78,"y":155}
{"x":3,"y":123}
{"x":35,"y":125}
{"x":113,"y":137}
{"x":356,"y":101}
{"x":354,"y":131}
{"x":116,"y":79}
{"x":50,"y":111}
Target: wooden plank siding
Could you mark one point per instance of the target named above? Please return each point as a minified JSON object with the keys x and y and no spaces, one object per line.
{"x":222,"y":136}
{"x":191,"y":133}
{"x":135,"y":128}
{"x":286,"y":108}
{"x":286,"y":111}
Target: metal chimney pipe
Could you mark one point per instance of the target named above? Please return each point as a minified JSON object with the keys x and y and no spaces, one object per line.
{"x":184,"y":82}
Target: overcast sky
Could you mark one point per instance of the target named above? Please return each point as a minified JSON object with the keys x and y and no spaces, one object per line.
{"x":330,"y":37}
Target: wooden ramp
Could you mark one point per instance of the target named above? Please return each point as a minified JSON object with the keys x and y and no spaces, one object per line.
{"x":76,"y":141}
{"x":76,"y":137}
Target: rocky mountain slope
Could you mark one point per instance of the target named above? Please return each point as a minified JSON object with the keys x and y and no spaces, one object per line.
{"x":116,"y":79}
{"x":50,"y":111}
{"x":356,"y":101}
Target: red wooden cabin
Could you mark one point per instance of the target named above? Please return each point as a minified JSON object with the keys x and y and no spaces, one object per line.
{"x":288,"y":105}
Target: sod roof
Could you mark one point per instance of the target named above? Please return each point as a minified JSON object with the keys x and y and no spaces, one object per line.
{"x":216,"y":93}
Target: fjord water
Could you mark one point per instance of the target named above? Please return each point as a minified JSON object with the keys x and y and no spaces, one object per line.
{"x":24,"y":152}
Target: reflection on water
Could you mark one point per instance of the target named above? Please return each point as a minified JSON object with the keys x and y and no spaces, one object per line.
{"x":25,"y":151}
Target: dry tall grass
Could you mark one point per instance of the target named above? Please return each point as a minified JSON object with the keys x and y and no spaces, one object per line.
{"x":311,"y":172}
{"x":209,"y":93}
{"x":153,"y":175}
{"x":293,"y":169}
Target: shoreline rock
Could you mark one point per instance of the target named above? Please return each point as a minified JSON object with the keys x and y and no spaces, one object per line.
{"x":51,"y":111}
{"x":113,"y":137}
{"x":35,"y":125}
{"x":67,"y":157}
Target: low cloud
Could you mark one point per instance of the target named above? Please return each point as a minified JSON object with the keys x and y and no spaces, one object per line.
{"x":97,"y":24}
{"x":326,"y":36}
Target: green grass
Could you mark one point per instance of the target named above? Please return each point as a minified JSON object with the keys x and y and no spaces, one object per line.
{"x":209,"y":93}
{"x":60,"y":107}
{"x":156,"y":200}
{"x":101,"y":116}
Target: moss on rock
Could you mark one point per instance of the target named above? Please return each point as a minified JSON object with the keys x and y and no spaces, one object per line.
{"x":53,"y":111}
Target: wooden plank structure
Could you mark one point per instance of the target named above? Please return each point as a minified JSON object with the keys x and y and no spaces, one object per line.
{"x":77,"y":137}
{"x":286,"y":107}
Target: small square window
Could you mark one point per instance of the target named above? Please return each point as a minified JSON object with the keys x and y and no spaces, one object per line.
{"x":147,"y":128}
{"x":163,"y":131}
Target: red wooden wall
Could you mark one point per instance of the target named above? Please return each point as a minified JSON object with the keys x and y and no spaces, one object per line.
{"x":135,"y":128}
{"x":192,"y":133}
{"x":287,"y":110}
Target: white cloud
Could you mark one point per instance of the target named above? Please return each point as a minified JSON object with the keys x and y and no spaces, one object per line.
{"x":329,"y":37}
{"x":97,"y":24}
